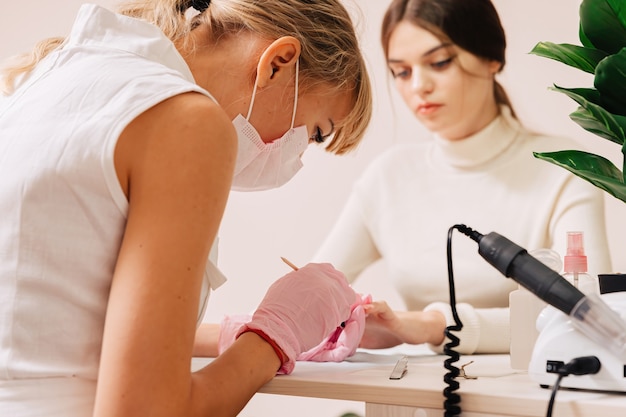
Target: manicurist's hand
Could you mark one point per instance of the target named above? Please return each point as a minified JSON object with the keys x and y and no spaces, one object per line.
{"x":302,"y":308}
{"x":343,"y":342}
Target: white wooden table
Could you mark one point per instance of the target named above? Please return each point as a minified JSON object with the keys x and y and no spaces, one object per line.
{"x":497,"y":391}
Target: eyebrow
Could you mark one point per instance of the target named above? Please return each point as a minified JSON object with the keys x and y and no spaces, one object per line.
{"x":425,"y":54}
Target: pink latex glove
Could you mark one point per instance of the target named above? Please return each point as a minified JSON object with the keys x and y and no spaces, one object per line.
{"x":336,"y":349}
{"x":229,"y":327}
{"x":301,"y":308}
{"x":327,"y":351}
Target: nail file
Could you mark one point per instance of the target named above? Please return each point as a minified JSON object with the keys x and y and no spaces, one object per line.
{"x":400,"y":369}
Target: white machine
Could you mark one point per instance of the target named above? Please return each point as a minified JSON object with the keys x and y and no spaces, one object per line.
{"x":574,"y":325}
{"x":560,"y":341}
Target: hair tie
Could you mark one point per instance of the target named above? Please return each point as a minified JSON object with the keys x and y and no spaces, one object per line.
{"x":200,"y":5}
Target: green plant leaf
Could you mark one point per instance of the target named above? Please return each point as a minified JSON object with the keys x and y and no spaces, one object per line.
{"x":593,"y":117}
{"x":602,"y":111}
{"x":603,"y":24}
{"x":610,"y":81}
{"x":593,"y":168}
{"x":579,"y":57}
{"x":584,"y":119}
{"x":583,"y":38}
{"x":590,"y":94}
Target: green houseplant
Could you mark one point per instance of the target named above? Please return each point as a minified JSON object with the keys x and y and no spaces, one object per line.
{"x":602,"y":109}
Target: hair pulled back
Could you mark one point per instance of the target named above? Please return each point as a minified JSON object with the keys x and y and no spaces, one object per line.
{"x":330,"y":52}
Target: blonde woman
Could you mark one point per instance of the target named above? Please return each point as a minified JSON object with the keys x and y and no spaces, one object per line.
{"x":118,"y":148}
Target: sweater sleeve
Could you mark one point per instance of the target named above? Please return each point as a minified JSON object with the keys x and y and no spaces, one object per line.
{"x":349,"y":247}
{"x":485,"y":330}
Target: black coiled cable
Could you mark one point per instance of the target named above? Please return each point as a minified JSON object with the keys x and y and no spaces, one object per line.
{"x":451,"y":403}
{"x":452,"y":400}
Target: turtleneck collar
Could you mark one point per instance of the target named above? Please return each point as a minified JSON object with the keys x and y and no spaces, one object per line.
{"x":480,"y":148}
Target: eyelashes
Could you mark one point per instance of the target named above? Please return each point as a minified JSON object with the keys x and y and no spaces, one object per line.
{"x":318,"y":137}
{"x":442,"y":64}
{"x":406,"y":72}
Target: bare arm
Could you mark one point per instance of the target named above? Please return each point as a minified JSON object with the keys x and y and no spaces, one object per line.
{"x":175,"y":163}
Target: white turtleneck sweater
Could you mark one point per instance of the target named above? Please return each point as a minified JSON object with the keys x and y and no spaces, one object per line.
{"x":401,"y":208}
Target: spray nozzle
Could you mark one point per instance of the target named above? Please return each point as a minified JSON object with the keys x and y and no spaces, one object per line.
{"x":575,"y":259}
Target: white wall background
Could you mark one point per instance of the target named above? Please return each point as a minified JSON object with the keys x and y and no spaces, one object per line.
{"x":259,"y":228}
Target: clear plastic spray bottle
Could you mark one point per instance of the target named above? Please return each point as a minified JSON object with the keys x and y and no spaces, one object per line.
{"x":575,"y":265}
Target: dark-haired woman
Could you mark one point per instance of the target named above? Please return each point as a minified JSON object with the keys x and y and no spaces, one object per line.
{"x":477,"y":169}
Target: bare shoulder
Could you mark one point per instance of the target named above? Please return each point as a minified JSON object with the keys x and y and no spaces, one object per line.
{"x":189,"y":129}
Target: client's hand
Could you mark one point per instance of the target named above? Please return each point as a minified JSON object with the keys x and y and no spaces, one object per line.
{"x":385,"y":328}
{"x":382,"y":326}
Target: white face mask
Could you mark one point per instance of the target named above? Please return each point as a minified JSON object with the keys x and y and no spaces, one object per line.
{"x":262,"y":166}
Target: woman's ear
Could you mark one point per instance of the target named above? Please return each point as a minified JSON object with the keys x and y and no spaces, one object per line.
{"x":495,"y":66}
{"x":277,"y":59}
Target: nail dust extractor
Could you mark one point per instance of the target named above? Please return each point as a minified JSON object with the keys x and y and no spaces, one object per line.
{"x":561,"y":339}
{"x":591,"y":326}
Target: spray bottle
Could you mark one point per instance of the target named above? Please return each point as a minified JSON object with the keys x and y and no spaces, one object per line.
{"x":575,"y":265}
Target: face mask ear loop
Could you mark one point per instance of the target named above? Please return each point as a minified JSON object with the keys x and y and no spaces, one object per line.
{"x":295,"y":99}
{"x":256,"y":82}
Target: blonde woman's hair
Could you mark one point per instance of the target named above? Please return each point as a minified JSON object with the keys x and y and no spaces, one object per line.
{"x":330,"y":56}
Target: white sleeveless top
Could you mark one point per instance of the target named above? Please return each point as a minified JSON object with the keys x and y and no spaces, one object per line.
{"x":62,"y":210}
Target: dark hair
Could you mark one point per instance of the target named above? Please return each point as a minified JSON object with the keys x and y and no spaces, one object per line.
{"x":473,"y":25}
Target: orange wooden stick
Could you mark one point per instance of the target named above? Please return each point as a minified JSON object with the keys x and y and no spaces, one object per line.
{"x":295,"y":268}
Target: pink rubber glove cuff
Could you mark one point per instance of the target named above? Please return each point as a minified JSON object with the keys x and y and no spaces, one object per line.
{"x":284,"y":368}
{"x":234,"y":326}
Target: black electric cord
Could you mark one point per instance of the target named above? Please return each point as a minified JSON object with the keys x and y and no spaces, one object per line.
{"x":451,"y":403}
{"x":513,"y":261}
{"x":555,"y":388}
{"x":583,"y":365}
